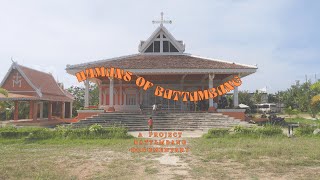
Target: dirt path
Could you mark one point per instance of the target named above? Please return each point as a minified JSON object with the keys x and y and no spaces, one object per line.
{"x":171,"y":165}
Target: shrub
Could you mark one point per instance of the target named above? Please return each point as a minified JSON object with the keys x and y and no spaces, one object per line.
{"x":269,"y":130}
{"x":216,"y":133}
{"x":95,"y":128}
{"x":92,"y":132}
{"x":305,"y":130}
{"x":243,"y":130}
{"x":13,"y":132}
{"x":41,"y":133}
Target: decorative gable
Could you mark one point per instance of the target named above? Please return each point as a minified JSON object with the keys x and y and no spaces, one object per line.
{"x":161,"y":41}
{"x":16,"y":82}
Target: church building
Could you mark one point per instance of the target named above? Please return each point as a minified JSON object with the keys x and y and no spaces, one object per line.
{"x":162,"y":60}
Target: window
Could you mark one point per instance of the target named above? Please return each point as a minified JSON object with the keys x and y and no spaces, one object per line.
{"x":150,"y":48}
{"x":165,"y":46}
{"x":173,"y":49}
{"x":156,"y":46}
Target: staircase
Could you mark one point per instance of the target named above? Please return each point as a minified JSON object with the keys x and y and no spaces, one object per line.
{"x":165,"y":121}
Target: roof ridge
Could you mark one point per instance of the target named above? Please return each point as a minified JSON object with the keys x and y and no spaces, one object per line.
{"x":219,"y":60}
{"x":34,"y":69}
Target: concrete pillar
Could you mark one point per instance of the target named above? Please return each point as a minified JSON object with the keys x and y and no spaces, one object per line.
{"x":100,"y":95}
{"x":211,"y":107}
{"x":49,"y":110}
{"x":41,"y":110}
{"x":70,"y":115}
{"x":35,"y":111}
{"x":141,"y":96}
{"x":120,"y":92}
{"x":86,"y":93}
{"x":31,"y":104}
{"x":16,"y":110}
{"x":104,"y":100}
{"x":63,"y":110}
{"x":111,"y":108}
{"x":181,"y":89}
{"x":235,"y":97}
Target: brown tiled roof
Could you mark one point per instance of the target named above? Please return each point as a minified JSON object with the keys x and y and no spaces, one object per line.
{"x":43,"y":81}
{"x":177,"y":61}
{"x":46,"y":83}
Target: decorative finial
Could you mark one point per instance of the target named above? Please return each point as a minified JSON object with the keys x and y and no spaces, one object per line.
{"x":162,"y":21}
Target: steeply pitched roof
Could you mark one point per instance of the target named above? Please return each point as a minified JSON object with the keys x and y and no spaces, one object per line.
{"x":161,"y":30}
{"x":43,"y":84}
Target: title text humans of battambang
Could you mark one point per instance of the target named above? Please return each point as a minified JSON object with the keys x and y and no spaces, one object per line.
{"x":160,"y":91}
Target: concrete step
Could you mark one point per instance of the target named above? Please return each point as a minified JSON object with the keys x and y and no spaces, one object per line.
{"x":165,"y":121}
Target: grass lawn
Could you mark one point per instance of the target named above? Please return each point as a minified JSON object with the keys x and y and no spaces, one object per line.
{"x":256,"y":158}
{"x":217,"y":158}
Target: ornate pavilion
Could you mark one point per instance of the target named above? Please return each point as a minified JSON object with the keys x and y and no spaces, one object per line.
{"x":45,"y":97}
{"x":162,"y":60}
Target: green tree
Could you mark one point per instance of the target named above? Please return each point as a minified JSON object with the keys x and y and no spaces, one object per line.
{"x":257,"y":97}
{"x":273,"y":98}
{"x":4,"y":92}
{"x":78,"y":103}
{"x":94,"y":95}
{"x":245,"y":98}
{"x":315,"y":101}
{"x":298,"y":96}
{"x":315,"y":105}
{"x":316,"y":87}
{"x":78,"y":93}
{"x":2,"y":103}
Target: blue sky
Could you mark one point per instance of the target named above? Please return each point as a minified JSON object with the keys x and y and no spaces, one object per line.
{"x":280,"y":36}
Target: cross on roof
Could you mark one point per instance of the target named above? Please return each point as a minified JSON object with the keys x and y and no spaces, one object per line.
{"x":162,"y":21}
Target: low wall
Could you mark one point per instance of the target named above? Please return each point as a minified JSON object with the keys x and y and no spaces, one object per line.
{"x":83,"y":114}
{"x":235,"y":113}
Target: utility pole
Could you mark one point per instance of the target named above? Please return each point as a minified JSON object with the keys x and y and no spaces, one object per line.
{"x":306,"y":78}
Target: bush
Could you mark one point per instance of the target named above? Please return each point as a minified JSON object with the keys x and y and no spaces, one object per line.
{"x":92,"y":132}
{"x":243,"y":130}
{"x":216,"y":133}
{"x":13,"y":132}
{"x":95,"y":128}
{"x":41,"y":133}
{"x":266,"y":131}
{"x":269,"y":130}
{"x":305,"y":130}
